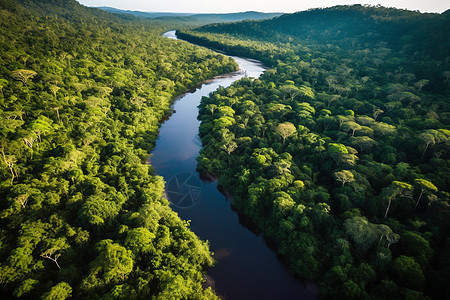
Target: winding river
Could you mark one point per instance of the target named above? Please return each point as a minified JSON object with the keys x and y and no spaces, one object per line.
{"x":246,"y":267}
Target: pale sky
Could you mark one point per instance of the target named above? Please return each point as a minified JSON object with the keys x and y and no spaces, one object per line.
{"x":289,"y":6}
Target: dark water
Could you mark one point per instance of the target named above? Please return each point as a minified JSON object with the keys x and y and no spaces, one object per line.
{"x":246,"y":268}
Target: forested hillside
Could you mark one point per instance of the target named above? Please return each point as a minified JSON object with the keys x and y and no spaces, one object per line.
{"x":360,"y":27}
{"x":82,"y":215}
{"x":340,"y":152}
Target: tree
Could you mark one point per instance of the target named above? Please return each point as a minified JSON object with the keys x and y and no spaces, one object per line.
{"x":10,"y":161}
{"x":428,"y":137}
{"x":331,"y":81}
{"x":23,"y":75}
{"x":223,"y":122}
{"x":396,"y":189}
{"x":282,"y":205}
{"x":104,"y":91}
{"x":22,"y":200}
{"x":226,"y":111}
{"x":363,"y":142}
{"x":344,"y":176}
{"x":408,"y":272}
{"x":114,"y":262}
{"x":415,"y":245}
{"x":50,"y":254}
{"x":211,"y":108}
{"x":54,"y":89}
{"x":41,"y":125}
{"x":350,"y":125}
{"x":290,"y":90}
{"x":140,"y":240}
{"x":25,"y":287}
{"x":351,"y":290}
{"x":285,"y":130}
{"x":229,"y":147}
{"x":342,"y":154}
{"x":425,"y":186}
{"x":138,"y":101}
{"x":60,"y":291}
{"x":3,"y":83}
{"x":390,"y":106}
{"x":305,"y":110}
{"x":392,"y":238}
{"x":421,"y":83}
{"x":377,"y":112}
{"x":383,"y":128}
{"x":79,"y":87}
{"x":404,"y":97}
{"x":333,"y":98}
{"x":57,"y":108}
{"x":306,"y":92}
{"x":364,"y":274}
{"x":362,"y":232}
{"x":29,"y":141}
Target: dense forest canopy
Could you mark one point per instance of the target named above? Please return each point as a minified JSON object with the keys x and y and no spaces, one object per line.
{"x":82,"y":215}
{"x":339,"y":153}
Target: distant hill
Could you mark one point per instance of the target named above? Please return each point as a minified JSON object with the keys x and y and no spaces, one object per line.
{"x":343,"y":25}
{"x":234,"y":17}
{"x":149,"y":15}
{"x":195,"y":18}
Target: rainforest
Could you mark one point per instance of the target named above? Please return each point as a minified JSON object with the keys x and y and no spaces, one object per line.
{"x":337,"y":155}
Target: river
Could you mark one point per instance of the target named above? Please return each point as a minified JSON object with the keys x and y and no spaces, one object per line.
{"x":246,"y":267}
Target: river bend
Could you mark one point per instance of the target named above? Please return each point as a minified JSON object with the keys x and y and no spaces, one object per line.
{"x":246,"y":267}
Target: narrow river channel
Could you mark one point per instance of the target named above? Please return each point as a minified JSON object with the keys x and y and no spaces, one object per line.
{"x":246,"y":267}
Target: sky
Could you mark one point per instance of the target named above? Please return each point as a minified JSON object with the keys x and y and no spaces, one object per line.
{"x":287,"y":6}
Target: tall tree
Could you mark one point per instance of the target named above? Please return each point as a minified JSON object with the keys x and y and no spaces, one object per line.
{"x":425,"y":186}
{"x":23,"y":75}
{"x":285,"y":130}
